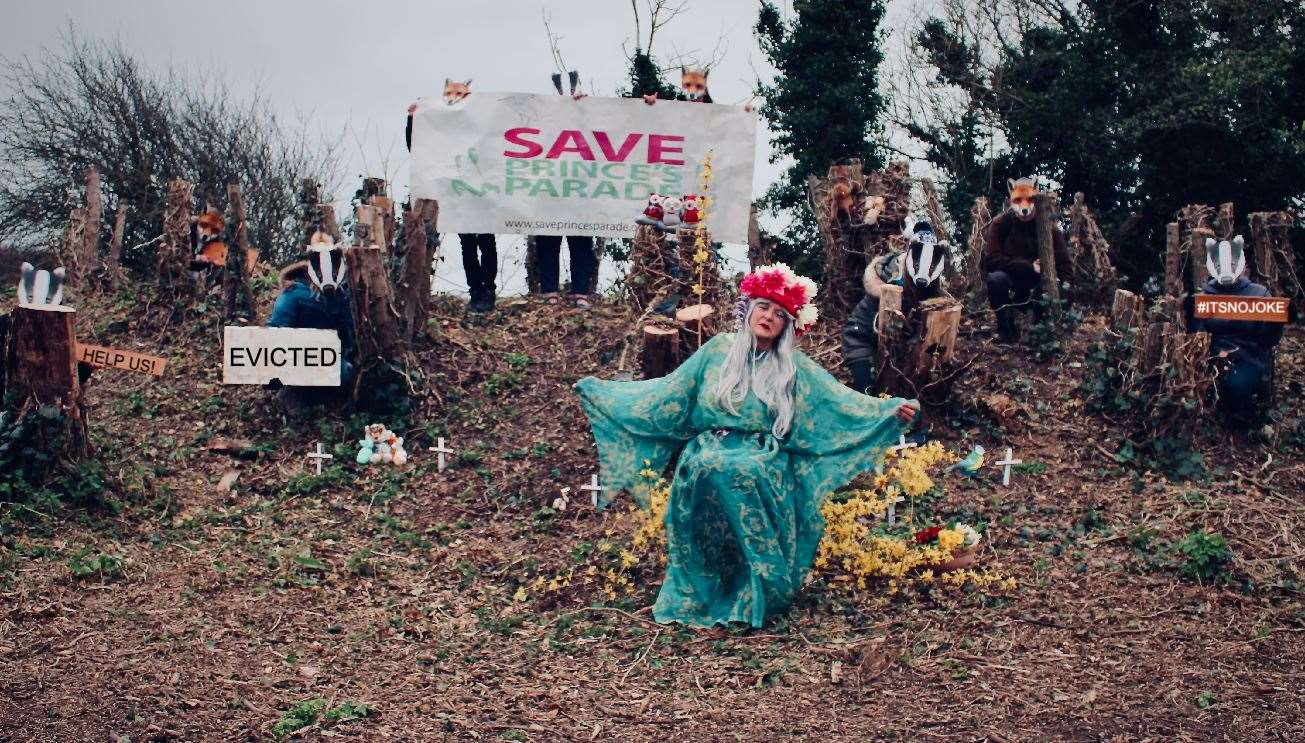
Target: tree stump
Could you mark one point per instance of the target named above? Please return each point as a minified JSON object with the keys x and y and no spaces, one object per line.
{"x":414,"y":281}
{"x":1095,"y":277}
{"x":975,"y":290}
{"x":1173,"y":261}
{"x":41,"y":370}
{"x":936,"y":346}
{"x":1195,"y":219}
{"x":90,"y":252}
{"x":1275,"y":263}
{"x":890,"y":301}
{"x":1046,"y":209}
{"x":698,"y":322}
{"x":173,"y":257}
{"x":1225,"y":223}
{"x":237,"y":290}
{"x":113,"y":258}
{"x":1127,"y":312}
{"x":661,"y":351}
{"x":72,"y":249}
{"x":381,"y":348}
{"x":329,"y":225}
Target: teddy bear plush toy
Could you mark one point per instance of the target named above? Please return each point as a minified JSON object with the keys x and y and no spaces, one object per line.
{"x":380,"y":445}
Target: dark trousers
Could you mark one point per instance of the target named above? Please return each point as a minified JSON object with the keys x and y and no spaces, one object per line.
{"x":1243,"y":378}
{"x":1009,"y":294}
{"x":480,"y":261}
{"x":584,"y":262}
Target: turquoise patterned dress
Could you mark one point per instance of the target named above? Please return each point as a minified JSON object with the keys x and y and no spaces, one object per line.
{"x":744,"y":519}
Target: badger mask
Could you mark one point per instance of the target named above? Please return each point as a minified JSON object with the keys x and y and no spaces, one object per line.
{"x":1225,"y":260}
{"x":40,"y":288}
{"x":925,"y":258}
{"x":326,"y":268}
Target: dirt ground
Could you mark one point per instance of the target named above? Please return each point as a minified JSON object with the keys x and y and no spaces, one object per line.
{"x":395,"y":589}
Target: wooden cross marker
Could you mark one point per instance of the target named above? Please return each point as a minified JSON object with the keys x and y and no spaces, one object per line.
{"x":594,"y":489}
{"x":902,"y":444}
{"x":1006,"y":463}
{"x":319,"y":456}
{"x":892,"y":509}
{"x":441,"y":450}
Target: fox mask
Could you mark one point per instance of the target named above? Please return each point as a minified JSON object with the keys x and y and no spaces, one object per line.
{"x":1022,"y":192}
{"x":693,"y":83}
{"x":455,"y":91}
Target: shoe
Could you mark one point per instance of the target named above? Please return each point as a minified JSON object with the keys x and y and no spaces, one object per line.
{"x":1008,"y":330}
{"x":582,"y":303}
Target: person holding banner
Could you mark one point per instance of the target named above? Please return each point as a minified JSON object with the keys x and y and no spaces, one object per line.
{"x":314,"y":295}
{"x":763,"y":435}
{"x":1242,"y":349}
{"x":479,"y":251}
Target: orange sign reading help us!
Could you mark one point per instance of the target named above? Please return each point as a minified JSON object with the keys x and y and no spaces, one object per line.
{"x":1221,"y":307}
{"x":112,"y":357}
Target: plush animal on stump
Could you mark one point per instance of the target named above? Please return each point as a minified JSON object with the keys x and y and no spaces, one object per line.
{"x":919,"y":272}
{"x":1242,"y":349}
{"x":40,"y":289}
{"x":1010,"y":265}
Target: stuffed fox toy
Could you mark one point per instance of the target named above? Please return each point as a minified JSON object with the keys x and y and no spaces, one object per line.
{"x":210,"y":249}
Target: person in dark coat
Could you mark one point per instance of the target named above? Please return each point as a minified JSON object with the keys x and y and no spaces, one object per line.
{"x":548,"y":248}
{"x":479,"y":250}
{"x":314,"y":295}
{"x":919,"y":272}
{"x":1242,"y":350}
{"x":1012,"y":277}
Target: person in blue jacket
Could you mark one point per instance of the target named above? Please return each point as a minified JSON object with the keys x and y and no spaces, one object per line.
{"x":1242,"y":349}
{"x":315,"y":295}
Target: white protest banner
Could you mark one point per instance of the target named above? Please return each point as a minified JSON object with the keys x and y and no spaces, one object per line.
{"x":299,"y":357}
{"x":509,"y":163}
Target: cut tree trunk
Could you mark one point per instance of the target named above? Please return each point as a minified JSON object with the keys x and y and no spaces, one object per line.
{"x":1127,"y":312}
{"x":1095,"y":278}
{"x":90,"y":252}
{"x":112,"y":262}
{"x":310,"y":215}
{"x":1045,"y":205}
{"x":414,"y":281}
{"x":936,"y":346}
{"x":41,"y":370}
{"x":1195,"y":221}
{"x":975,"y":290}
{"x":172,"y":264}
{"x":1173,"y":261}
{"x":329,"y":225}
{"x":661,"y":351}
{"x":379,"y":338}
{"x":1274,"y":261}
{"x":237,"y":289}
{"x":1226,"y":222}
{"x":365,"y":234}
{"x":71,"y":251}
{"x":698,"y":321}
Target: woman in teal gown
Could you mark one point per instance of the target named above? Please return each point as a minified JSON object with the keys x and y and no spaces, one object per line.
{"x":764,"y":434}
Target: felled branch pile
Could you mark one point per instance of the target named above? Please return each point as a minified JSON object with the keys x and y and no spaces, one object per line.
{"x":1094,"y":276}
{"x":654,"y":274}
{"x":860,"y":216}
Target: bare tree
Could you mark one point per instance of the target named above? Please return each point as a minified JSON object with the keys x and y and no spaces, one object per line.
{"x":92,"y":104}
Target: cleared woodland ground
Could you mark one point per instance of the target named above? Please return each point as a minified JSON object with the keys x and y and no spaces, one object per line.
{"x":396,"y":590}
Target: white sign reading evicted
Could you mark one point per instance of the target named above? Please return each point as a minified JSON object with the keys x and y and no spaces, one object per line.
{"x":299,"y":357}
{"x":550,"y":165}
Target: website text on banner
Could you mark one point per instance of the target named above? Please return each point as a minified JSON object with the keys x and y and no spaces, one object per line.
{"x":548,"y":165}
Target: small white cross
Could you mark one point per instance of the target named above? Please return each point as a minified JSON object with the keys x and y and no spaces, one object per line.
{"x":319,"y":456}
{"x":1007,"y":462}
{"x":594,"y":489}
{"x":902,"y":444}
{"x":441,"y":450}
{"x":892,"y":509}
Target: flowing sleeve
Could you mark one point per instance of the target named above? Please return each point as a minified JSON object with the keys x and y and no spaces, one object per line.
{"x":837,"y":433}
{"x":638,"y":425}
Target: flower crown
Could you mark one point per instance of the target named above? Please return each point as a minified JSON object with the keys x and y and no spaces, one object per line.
{"x":778,"y":283}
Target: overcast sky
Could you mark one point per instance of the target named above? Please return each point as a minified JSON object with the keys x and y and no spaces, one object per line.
{"x":350,"y":68}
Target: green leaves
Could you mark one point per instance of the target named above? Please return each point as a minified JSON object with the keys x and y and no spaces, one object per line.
{"x":1206,"y":555}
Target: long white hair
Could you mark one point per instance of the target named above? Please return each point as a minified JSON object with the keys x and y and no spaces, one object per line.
{"x":770,"y":378}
